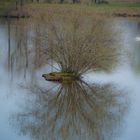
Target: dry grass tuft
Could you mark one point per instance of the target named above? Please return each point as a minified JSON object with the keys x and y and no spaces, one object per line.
{"x":78,"y":43}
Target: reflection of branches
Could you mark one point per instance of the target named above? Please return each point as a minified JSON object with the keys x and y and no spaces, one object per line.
{"x":24,"y":50}
{"x":18,"y":53}
{"x":73,"y":111}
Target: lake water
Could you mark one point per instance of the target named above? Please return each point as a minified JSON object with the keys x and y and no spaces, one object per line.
{"x":103,"y":106}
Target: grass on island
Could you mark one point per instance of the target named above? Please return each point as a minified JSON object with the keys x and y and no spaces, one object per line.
{"x":60,"y":76}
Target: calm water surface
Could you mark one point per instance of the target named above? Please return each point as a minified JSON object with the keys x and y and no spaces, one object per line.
{"x":104,"y":106}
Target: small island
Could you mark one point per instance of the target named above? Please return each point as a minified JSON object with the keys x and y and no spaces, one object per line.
{"x":60,"y":76}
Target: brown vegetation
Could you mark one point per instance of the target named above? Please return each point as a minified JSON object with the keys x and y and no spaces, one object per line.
{"x":78,"y":43}
{"x":72,"y":110}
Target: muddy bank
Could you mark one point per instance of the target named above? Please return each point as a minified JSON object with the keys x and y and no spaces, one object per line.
{"x":126,"y":15}
{"x":16,"y":13}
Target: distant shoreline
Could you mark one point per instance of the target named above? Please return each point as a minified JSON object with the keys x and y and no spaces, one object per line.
{"x":108,"y":10}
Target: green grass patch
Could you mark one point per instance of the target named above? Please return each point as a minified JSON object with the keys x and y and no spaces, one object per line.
{"x":92,"y":9}
{"x":91,"y":6}
{"x":60,"y":76}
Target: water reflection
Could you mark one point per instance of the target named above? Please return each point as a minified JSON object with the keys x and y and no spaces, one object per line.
{"x":72,"y":111}
{"x":94,"y":112}
{"x":130,"y":33}
{"x":17,"y":46}
{"x":137,"y":38}
{"x":68,"y":111}
{"x":24,"y":55}
{"x":134,"y":50}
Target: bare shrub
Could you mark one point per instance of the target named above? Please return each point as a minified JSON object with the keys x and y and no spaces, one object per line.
{"x":79,"y":43}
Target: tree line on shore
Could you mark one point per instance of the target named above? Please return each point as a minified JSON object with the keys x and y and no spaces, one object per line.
{"x":22,"y":2}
